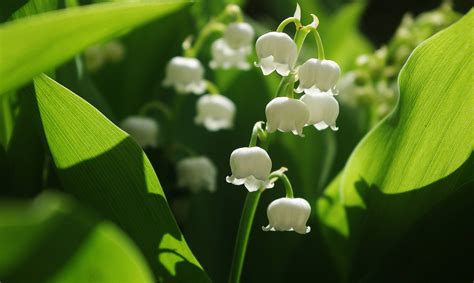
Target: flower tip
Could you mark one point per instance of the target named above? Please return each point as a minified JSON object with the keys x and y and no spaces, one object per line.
{"x":315,"y":22}
{"x":297,"y":12}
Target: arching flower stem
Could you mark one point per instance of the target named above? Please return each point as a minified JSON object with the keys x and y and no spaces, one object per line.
{"x":258,"y":133}
{"x":212,"y":88}
{"x":286,"y":86}
{"x":206,"y":31}
{"x":288,"y":20}
{"x":319,"y":44}
{"x":300,"y":36}
{"x":156,"y":106}
{"x":279,"y":174}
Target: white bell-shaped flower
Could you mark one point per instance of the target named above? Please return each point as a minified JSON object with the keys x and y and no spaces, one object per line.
{"x":239,"y":35}
{"x":197,"y":173}
{"x":323,"y":109}
{"x":224,"y":57}
{"x":288,"y":214}
{"x":315,"y":73}
{"x":286,"y":115}
{"x":276,"y":51}
{"x":251,"y":167}
{"x":215,"y":112}
{"x":143,"y":130}
{"x":186,"y":75}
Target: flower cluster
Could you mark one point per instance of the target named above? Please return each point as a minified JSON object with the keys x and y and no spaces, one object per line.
{"x":317,"y":77}
{"x":373,"y":81}
{"x":186,"y":73}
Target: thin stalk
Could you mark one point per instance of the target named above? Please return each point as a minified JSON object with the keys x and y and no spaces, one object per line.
{"x":286,"y":182}
{"x":286,"y":21}
{"x":158,"y":106}
{"x":300,"y":36}
{"x":248,"y":214}
{"x":257,"y":132}
{"x":286,"y":86}
{"x":212,"y":88}
{"x":207,"y":31}
{"x":319,"y":44}
{"x":245,"y":226}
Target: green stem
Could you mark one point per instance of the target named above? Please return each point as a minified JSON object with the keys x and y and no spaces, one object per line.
{"x":300,"y":36}
{"x":207,"y":31}
{"x":158,"y":106}
{"x":286,"y":86}
{"x":286,"y":182}
{"x":286,"y":21}
{"x":319,"y":44}
{"x":248,"y":214}
{"x":212,"y":88}
{"x":288,"y":187}
{"x":256,"y":130}
{"x":245,"y":226}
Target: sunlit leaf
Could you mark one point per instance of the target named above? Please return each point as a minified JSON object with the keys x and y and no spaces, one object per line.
{"x":72,"y":30}
{"x":104,"y":168}
{"x":52,"y":239}
{"x":412,"y":162}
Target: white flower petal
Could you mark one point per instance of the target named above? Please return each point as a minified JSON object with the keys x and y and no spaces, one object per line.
{"x":197,"y":173}
{"x":250,"y":166}
{"x":215,"y":112}
{"x":286,"y":115}
{"x":288,"y":214}
{"x":143,"y":130}
{"x":239,"y":35}
{"x":282,"y":50}
{"x":185,"y":75}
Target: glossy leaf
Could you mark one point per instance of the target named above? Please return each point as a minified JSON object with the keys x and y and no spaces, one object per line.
{"x":72,"y":30}
{"x":52,"y":239}
{"x":412,"y":162}
{"x":104,"y":168}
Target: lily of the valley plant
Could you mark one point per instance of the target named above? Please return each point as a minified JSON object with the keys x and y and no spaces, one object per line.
{"x":251,"y":166}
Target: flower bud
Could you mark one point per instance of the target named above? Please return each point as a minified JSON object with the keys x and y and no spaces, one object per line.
{"x":94,"y":58}
{"x":286,"y":114}
{"x":143,"y":130}
{"x":239,"y":35}
{"x":224,"y":57}
{"x":185,"y":75}
{"x":114,"y":51}
{"x":215,"y":112}
{"x":288,"y":214}
{"x":197,"y":173}
{"x":321,"y":74}
{"x":276,"y":51}
{"x":251,"y":167}
{"x":323,"y":109}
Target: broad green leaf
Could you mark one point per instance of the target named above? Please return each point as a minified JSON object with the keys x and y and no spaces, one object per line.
{"x":104,"y":168}
{"x":38,"y":43}
{"x":52,"y":239}
{"x":413,"y":161}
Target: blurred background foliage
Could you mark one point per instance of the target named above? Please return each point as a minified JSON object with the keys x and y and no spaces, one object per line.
{"x":209,"y":221}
